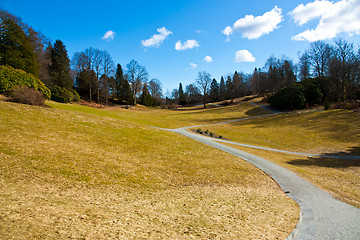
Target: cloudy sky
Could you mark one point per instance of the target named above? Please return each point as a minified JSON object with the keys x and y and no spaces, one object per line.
{"x":175,"y":40}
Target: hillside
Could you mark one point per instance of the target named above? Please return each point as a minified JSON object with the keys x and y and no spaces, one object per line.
{"x":103,"y":173}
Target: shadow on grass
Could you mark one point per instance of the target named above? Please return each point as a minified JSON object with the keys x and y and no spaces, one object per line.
{"x":353,"y":160}
{"x":257,"y":111}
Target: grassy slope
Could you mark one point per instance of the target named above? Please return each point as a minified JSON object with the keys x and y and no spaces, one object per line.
{"x":170,"y":118}
{"x":89,"y":173}
{"x":333,"y":132}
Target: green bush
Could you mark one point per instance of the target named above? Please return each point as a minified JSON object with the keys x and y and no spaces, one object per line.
{"x":10,"y":77}
{"x":25,"y":95}
{"x":288,"y":98}
{"x":63,"y":95}
{"x":313,"y":94}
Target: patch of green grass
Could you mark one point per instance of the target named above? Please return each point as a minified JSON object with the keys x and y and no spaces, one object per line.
{"x":76,"y":172}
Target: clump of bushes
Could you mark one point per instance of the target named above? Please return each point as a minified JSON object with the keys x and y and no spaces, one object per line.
{"x":64,"y":95}
{"x":26,"y":95}
{"x":207,"y":133}
{"x":10,"y":77}
{"x":288,"y":98}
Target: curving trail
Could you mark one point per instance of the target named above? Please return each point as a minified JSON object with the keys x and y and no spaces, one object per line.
{"x":321,"y":215}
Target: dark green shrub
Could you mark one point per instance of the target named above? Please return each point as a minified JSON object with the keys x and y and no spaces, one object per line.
{"x":25,"y":95}
{"x":63,"y":95}
{"x":58,"y":98}
{"x":313,"y":94}
{"x":288,"y":98}
{"x":10,"y":77}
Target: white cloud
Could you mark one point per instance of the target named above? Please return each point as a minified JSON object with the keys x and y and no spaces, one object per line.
{"x":208,"y":59}
{"x":254,"y":27}
{"x":156,"y":39}
{"x":335,"y":18}
{"x":192,"y":66}
{"x":303,"y":14}
{"x":109,"y":35}
{"x":244,"y":56}
{"x":189,"y":44}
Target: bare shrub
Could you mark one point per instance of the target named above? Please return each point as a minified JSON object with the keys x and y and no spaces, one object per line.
{"x":25,"y":95}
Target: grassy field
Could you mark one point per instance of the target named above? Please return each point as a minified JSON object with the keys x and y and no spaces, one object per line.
{"x":76,"y":172}
{"x":334,"y":132}
{"x":170,"y":118}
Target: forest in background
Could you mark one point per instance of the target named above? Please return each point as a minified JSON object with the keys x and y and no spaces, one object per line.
{"x":326,"y":73}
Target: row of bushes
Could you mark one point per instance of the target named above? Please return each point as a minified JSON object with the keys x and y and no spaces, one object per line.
{"x":10,"y":77}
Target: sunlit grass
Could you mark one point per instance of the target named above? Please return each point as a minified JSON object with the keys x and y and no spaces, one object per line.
{"x":340,"y":177}
{"x":95,"y":173}
{"x":319,"y":132}
{"x":166,"y":118}
{"x":305,"y":131}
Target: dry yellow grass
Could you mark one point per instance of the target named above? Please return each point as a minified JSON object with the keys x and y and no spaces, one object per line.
{"x":171,"y":118}
{"x":340,"y":177}
{"x":316,"y":132}
{"x":319,"y":132}
{"x":90,"y":174}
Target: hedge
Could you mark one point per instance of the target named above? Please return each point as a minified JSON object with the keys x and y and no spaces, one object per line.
{"x":10,"y":77}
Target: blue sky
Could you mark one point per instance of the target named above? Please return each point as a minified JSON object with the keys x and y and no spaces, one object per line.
{"x":176,"y":39}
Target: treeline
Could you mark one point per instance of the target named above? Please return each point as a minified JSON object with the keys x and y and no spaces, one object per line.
{"x":325,"y":73}
{"x":90,"y":74}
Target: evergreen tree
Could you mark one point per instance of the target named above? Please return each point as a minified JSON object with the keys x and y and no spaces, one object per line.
{"x":123,"y":89}
{"x":237,"y":83}
{"x":222,"y":89}
{"x":15,"y":48}
{"x":145,"y":98}
{"x":229,"y":88}
{"x":182,"y":98}
{"x":214,"y":91}
{"x":85,"y":83}
{"x":60,"y":66}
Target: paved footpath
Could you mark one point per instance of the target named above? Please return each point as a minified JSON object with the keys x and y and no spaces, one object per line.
{"x":321,"y":215}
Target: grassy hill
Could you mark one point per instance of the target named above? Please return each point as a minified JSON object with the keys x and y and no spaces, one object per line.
{"x":71,"y":171}
{"x":334,"y":132}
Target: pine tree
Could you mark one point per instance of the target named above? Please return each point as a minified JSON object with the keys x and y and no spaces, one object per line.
{"x":60,"y":66}
{"x":229,"y":88}
{"x":214,"y":91}
{"x":145,"y":98}
{"x":222,"y":89}
{"x":15,"y":48}
{"x":123,"y":89}
{"x":182,"y":98}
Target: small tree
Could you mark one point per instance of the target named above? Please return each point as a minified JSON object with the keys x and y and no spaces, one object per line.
{"x":60,"y":66}
{"x":145,"y":98}
{"x":214,"y":91}
{"x":203,"y":81}
{"x":182,"y":99}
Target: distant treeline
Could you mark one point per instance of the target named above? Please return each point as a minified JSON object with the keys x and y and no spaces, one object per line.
{"x":91,"y":73}
{"x":325,"y":73}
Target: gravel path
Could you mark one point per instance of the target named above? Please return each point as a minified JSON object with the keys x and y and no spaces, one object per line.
{"x":321,"y":215}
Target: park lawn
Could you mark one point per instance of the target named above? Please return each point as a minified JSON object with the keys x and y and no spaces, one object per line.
{"x":166,"y":118}
{"x":90,"y":173}
{"x":308,"y":131}
{"x":335,"y":132}
{"x":340,"y":177}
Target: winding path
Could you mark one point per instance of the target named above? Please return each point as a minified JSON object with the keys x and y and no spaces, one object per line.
{"x":321,"y":215}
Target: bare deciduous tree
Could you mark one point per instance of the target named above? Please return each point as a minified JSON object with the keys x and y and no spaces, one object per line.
{"x":203,"y":81}
{"x":136,"y":75}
